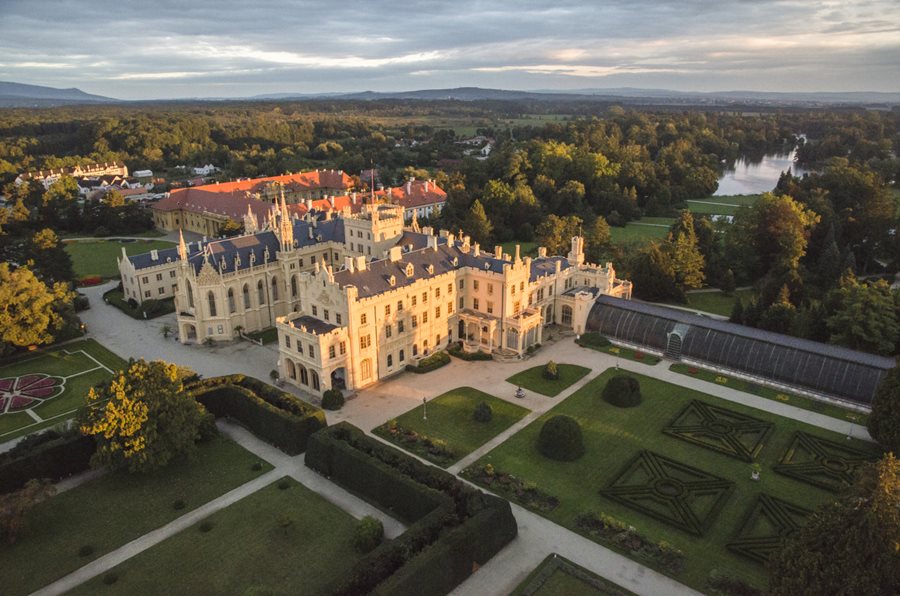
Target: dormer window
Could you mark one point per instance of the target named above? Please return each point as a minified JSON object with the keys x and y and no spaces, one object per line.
{"x":487,"y":265}
{"x":455,"y":261}
{"x":392,"y":281}
{"x":430,"y":269}
{"x":409,"y":270}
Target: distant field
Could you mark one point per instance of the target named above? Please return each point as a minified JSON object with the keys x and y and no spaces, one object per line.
{"x":641,"y":232}
{"x":724,"y":205}
{"x":98,"y":257}
{"x":717,"y":302}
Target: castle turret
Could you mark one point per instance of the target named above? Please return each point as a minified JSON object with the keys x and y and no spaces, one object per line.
{"x":182,"y":248}
{"x":285,"y":228}
{"x":576,"y":255}
{"x":251,"y":224}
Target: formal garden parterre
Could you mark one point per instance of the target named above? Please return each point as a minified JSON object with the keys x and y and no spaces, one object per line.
{"x":557,"y":576}
{"x":445,"y":429}
{"x":673,"y":503}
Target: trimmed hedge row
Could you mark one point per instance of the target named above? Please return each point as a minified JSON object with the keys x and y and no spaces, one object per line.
{"x":273,"y":415}
{"x":433,"y":362}
{"x":457,"y":351}
{"x":47,"y":455}
{"x":454,"y":526}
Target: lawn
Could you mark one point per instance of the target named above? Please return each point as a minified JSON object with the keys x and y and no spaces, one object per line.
{"x":614,"y":436}
{"x":247,"y":550}
{"x":558,"y":576}
{"x":112,"y":510}
{"x":640,"y":232}
{"x":721,"y":205}
{"x":98,"y":257}
{"x":717,"y":302}
{"x":800,"y":401}
{"x":75,"y":368}
{"x":603,"y":345}
{"x":450,"y":420}
{"x":268,"y":336}
{"x":533,"y":379}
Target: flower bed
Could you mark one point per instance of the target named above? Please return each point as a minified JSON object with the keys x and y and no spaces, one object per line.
{"x":91,"y":280}
{"x":433,"y":449}
{"x":609,"y":530}
{"x":514,"y":489}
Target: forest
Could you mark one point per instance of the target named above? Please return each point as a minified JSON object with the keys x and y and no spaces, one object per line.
{"x":809,"y":248}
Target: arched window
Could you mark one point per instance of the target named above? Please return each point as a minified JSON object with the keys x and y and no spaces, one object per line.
{"x":260,"y":292}
{"x":246,"y":296}
{"x":231,"y":300}
{"x":304,"y":375}
{"x":274,"y":289}
{"x":366,"y":369}
{"x":293,"y":286}
{"x":415,"y":349}
{"x":315,"y":380}
{"x":212,"y":303}
{"x":566,"y":315}
{"x":190,"y":295}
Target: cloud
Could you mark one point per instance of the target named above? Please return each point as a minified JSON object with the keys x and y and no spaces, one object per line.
{"x":126,"y":48}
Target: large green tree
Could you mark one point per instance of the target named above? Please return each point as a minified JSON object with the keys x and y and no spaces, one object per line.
{"x":774,"y":232}
{"x":686,"y":256}
{"x":652,"y":271}
{"x":28,"y":308}
{"x":884,"y":421}
{"x":555,"y":233}
{"x":477,"y":225}
{"x":849,"y":547}
{"x":143,"y":418}
{"x":864,"y":316}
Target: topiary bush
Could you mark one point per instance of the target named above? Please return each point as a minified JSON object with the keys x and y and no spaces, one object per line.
{"x":622,"y":391}
{"x":560,"y":439}
{"x":483,"y":413}
{"x":368,"y":534}
{"x":551,"y":371}
{"x":332,"y":400}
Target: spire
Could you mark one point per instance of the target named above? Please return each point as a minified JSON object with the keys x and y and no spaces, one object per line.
{"x":286,"y":226}
{"x":182,"y":248}
{"x":251,"y":224}
{"x":372,"y":186}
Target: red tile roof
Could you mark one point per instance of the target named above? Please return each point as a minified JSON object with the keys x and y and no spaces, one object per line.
{"x":416,"y":193}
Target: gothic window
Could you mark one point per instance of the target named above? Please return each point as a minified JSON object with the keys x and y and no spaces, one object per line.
{"x":230,"y":300}
{"x":260,"y":292}
{"x":566,"y":315}
{"x":212,"y":303}
{"x":274,"y":289}
{"x":246,"y":296}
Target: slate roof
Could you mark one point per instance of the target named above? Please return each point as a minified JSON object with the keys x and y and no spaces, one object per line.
{"x":546,"y":266}
{"x":313,"y":325}
{"x":680,"y":316}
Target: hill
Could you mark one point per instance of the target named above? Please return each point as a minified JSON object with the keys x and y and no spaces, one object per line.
{"x":22,"y":95}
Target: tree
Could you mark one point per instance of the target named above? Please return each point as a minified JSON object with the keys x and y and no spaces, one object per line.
{"x":848,"y":547}
{"x":652,"y":272}
{"x":555,"y":233}
{"x":728,"y":283}
{"x":27,"y":313}
{"x":51,"y":262}
{"x":737,"y":312}
{"x":14,"y":507}
{"x":775,"y":232}
{"x":231,"y":228}
{"x":865,"y":317}
{"x":148,"y":419}
{"x":686,"y":256}
{"x":477,"y":225}
{"x":779,"y":316}
{"x":884,"y":421}
{"x":597,"y":238}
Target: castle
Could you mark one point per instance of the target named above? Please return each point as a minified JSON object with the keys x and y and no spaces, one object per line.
{"x":356,"y":298}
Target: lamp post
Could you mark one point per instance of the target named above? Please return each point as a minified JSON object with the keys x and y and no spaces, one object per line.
{"x":424,"y":408}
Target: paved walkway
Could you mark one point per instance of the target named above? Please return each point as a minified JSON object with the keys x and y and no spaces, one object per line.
{"x":284,"y":465}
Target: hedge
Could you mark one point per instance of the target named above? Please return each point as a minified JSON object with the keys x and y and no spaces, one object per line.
{"x":433,"y":362}
{"x":46,"y":455}
{"x":454,"y":526}
{"x":622,"y":391}
{"x":457,"y":351}
{"x":273,"y":415}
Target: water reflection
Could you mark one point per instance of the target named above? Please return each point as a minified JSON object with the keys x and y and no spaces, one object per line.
{"x":751,"y":176}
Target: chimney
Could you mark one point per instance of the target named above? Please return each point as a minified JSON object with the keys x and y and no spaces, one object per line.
{"x":517,"y":253}
{"x":309,"y":232}
{"x":498,"y":252}
{"x":426,"y":186}
{"x":542,"y":252}
{"x":154,"y":255}
{"x":476,"y":251}
{"x":360,"y":263}
{"x":349,"y":264}
{"x":395,"y":253}
{"x":409,"y":187}
{"x":331,"y":201}
{"x":353,"y":197}
{"x":433,"y":243}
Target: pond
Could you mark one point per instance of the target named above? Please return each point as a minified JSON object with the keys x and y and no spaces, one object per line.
{"x":749,"y":177}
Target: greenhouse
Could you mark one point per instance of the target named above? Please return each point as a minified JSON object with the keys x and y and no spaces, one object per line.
{"x":818,"y":367}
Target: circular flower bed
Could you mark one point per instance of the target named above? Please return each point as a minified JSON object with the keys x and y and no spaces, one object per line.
{"x":26,"y":391}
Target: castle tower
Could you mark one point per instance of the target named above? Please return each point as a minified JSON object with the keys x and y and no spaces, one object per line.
{"x":576,"y":255}
{"x":285,"y":227}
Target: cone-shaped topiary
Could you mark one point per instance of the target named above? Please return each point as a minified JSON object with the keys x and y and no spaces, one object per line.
{"x":482,"y":413}
{"x":560,"y":439}
{"x":622,"y":391}
{"x":551,"y":371}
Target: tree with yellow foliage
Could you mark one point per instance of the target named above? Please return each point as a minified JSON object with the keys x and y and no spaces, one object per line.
{"x":143,"y":419}
{"x":27,"y":313}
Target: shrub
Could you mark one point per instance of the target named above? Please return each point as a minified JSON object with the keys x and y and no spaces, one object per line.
{"x":284,"y":484}
{"x":456,"y":350}
{"x":433,"y":362}
{"x":110,"y":578}
{"x":622,"y":391}
{"x":178,"y":505}
{"x":551,"y":371}
{"x":560,"y":439}
{"x":483,"y":413}
{"x":86,"y":551}
{"x":332,"y":400}
{"x":368,"y":534}
{"x":205,"y":526}
{"x":592,"y":340}
{"x":257,"y":466}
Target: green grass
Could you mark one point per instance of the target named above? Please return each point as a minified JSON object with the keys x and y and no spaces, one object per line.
{"x":793,"y":399}
{"x":450,"y":420}
{"x":558,"y":576}
{"x":247,"y":550}
{"x":98,"y":257}
{"x":717,"y":302}
{"x":268,"y":336}
{"x":533,"y":379}
{"x":721,"y":205}
{"x":625,"y":353}
{"x":66,"y":361}
{"x":613,"y":436}
{"x":526,"y":249}
{"x":635,"y":233}
{"x":141,"y":312}
{"x":112,"y":510}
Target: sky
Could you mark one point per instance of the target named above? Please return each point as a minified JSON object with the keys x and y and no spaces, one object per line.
{"x":158,"y":49}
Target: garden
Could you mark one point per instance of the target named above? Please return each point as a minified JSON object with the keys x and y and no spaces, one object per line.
{"x":98,"y":257}
{"x":452,"y":425}
{"x":282,"y":539}
{"x":42,"y":390}
{"x":664,"y":474}
{"x":557,"y":576}
{"x":541,"y":380}
{"x":69,"y":530}
{"x":595,"y":341}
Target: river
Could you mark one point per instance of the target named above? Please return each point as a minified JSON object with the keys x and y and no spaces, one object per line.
{"x":749,"y":178}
